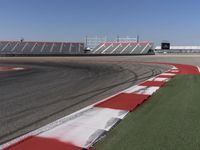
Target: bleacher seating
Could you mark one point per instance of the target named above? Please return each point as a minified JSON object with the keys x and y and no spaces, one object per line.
{"x":46,"y":49}
{"x":40,"y":48}
{"x":123,"y":48}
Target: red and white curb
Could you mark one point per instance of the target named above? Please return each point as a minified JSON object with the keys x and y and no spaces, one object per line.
{"x":82,"y":129}
{"x":11,"y":69}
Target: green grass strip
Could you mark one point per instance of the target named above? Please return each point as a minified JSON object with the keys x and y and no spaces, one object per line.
{"x":170,"y":120}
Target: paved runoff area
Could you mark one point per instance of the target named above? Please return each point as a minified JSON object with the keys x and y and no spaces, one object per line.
{"x":83,"y":128}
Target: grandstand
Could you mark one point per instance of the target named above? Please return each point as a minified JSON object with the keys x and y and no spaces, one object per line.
{"x":64,"y":48}
{"x":132,"y":48}
{"x":40,"y":48}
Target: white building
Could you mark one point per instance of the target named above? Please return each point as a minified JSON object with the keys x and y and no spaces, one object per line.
{"x":179,"y":49}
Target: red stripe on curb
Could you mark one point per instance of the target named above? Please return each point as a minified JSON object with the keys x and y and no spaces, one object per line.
{"x":153,"y":83}
{"x":39,"y":143}
{"x":124,"y":101}
{"x":186,"y":69}
{"x":183,"y":68}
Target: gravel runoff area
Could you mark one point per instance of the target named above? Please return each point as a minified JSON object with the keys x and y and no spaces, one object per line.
{"x":51,"y":88}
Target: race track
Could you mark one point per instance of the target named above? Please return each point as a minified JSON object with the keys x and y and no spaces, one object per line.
{"x":50,"y":88}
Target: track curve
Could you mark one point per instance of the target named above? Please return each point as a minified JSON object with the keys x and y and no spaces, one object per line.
{"x":51,"y":88}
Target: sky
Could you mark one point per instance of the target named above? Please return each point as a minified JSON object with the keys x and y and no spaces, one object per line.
{"x":177,"y":21}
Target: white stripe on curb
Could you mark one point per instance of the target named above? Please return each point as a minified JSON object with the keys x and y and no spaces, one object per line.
{"x":84,"y":130}
{"x":167,"y":74}
{"x":174,"y":68}
{"x":104,"y":118}
{"x":198,"y":68}
{"x":174,"y":71}
{"x":76,"y":135}
{"x":138,"y":89}
{"x":159,"y":79}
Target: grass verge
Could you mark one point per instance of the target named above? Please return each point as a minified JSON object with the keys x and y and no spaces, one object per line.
{"x":170,"y":120}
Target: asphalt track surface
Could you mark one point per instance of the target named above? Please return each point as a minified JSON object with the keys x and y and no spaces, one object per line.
{"x":51,"y":88}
